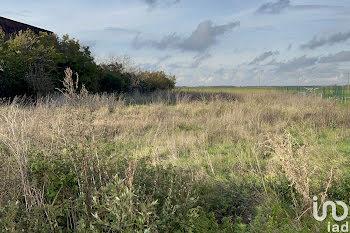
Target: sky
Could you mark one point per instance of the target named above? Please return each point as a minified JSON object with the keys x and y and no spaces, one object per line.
{"x":208,"y":42}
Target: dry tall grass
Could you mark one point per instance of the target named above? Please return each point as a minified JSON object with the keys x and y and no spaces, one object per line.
{"x":253,"y":136}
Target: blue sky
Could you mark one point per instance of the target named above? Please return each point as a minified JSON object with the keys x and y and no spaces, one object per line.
{"x":207,"y":42}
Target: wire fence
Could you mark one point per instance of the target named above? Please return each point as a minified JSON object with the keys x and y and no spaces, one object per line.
{"x":341,"y":93}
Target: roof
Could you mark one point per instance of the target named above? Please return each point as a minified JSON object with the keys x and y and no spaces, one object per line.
{"x":10,"y":26}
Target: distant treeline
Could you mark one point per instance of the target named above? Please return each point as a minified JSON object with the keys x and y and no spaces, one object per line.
{"x":33,"y":64}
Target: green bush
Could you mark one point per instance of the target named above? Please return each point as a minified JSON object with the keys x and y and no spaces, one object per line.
{"x":58,"y":177}
{"x":114,"y":79}
{"x":227,"y":199}
{"x":27,"y":66}
{"x":151,"y":81}
{"x":32,"y":64}
{"x":129,"y":196}
{"x":117,"y":208}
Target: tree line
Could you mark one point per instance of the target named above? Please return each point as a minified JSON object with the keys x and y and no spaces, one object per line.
{"x":32,"y":65}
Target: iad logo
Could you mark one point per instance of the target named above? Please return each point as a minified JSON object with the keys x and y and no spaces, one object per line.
{"x":333,"y":227}
{"x":334,"y":210}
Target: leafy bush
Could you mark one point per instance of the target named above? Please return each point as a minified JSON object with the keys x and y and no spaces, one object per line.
{"x":27,"y":66}
{"x":227,"y":199}
{"x":134,"y":196}
{"x":173,"y":191}
{"x":32,"y":64}
{"x":115,"y":79}
{"x":151,"y":81}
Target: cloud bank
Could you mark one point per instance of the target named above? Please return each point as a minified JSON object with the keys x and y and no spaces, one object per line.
{"x":343,"y":56}
{"x":154,"y":3}
{"x":281,"y":5}
{"x":333,"y":39}
{"x":263,"y":57}
{"x":296,"y":64}
{"x":273,"y":7}
{"x":302,"y":62}
{"x":202,"y":38}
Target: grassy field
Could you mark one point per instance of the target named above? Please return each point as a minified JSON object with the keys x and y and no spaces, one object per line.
{"x":227,"y":89}
{"x":325,"y":91}
{"x":249,"y":161}
{"x":340,"y":93}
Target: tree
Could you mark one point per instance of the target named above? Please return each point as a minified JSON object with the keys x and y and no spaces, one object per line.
{"x":80,"y":60}
{"x":27,"y":65}
{"x":32,"y":64}
{"x":114,"y":78}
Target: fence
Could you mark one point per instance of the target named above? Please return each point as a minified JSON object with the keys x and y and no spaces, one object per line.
{"x":341,"y":93}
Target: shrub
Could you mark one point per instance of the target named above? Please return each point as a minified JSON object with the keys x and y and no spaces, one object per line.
{"x":151,"y":81}
{"x":227,"y":199}
{"x":114,"y":78}
{"x":27,"y":66}
{"x":33,"y":64}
